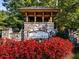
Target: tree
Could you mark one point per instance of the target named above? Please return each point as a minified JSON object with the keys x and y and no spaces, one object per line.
{"x":69,"y":15}
{"x":3,"y":16}
{"x":14,"y":18}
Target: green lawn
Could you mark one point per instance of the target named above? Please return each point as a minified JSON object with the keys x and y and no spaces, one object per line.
{"x":76,"y":56}
{"x":76,"y":53}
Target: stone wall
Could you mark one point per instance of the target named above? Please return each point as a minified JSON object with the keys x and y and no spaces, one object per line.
{"x":8,"y":33}
{"x":30,"y":26}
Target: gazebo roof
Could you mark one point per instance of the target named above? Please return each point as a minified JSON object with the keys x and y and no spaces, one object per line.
{"x":38,"y":9}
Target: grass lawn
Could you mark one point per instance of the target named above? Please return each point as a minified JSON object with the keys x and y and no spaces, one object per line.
{"x":76,"y":56}
{"x":76,"y":53}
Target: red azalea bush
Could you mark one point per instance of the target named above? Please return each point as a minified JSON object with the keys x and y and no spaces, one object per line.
{"x":53,"y":48}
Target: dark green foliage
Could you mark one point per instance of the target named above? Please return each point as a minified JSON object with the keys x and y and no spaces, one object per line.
{"x":76,"y":51}
{"x":63,"y":35}
{"x":69,"y":15}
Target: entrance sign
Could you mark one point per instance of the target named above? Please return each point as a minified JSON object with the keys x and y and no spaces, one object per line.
{"x":38,"y":35}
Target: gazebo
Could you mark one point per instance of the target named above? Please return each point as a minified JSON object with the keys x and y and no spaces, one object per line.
{"x":38,"y":19}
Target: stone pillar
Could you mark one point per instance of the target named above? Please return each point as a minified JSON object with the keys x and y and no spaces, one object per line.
{"x":25,"y":31}
{"x":10,"y":33}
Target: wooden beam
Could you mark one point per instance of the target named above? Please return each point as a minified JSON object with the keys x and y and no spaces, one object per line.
{"x":39,"y":10}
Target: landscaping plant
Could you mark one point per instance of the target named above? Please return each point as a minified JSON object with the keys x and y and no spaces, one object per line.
{"x":53,"y":48}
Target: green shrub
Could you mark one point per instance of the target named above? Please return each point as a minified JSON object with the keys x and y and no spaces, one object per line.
{"x":63,"y":35}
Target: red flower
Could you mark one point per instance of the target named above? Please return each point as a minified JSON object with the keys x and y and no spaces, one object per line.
{"x":53,"y":48}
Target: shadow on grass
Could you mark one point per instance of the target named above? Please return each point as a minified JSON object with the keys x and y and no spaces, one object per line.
{"x":76,"y":52}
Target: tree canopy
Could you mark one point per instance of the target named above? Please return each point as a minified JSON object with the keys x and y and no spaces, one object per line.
{"x":69,"y":15}
{"x":3,"y":16}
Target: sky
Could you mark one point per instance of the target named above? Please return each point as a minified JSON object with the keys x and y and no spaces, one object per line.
{"x":2,"y":7}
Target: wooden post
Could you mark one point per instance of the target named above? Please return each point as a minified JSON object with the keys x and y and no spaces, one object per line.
{"x":50,"y":19}
{"x":43,"y":17}
{"x":26,"y":17}
{"x":34,"y":16}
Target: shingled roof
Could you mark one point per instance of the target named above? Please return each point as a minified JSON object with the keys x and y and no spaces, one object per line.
{"x":37,"y":7}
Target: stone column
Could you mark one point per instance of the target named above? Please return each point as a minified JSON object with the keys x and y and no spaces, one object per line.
{"x":25,"y":31}
{"x":25,"y":26}
{"x":10,"y":33}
